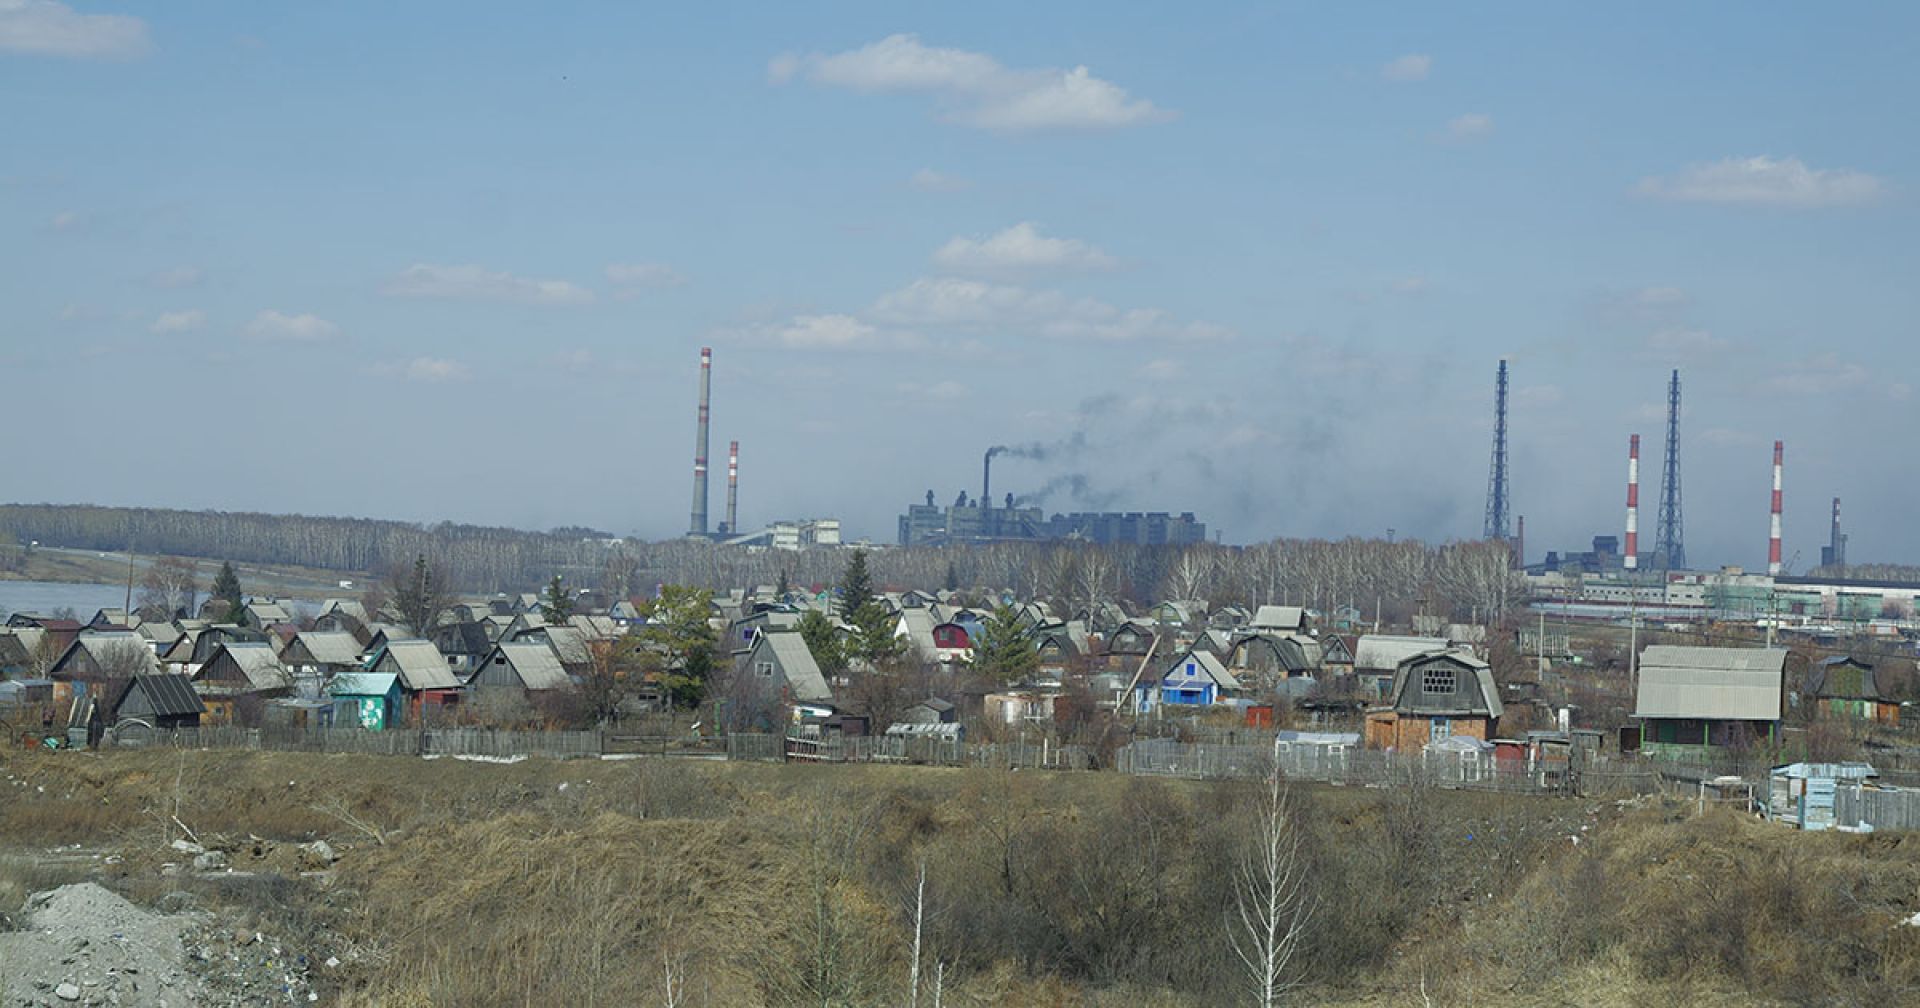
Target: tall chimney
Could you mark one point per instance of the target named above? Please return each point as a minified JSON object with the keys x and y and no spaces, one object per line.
{"x":1520,"y":544}
{"x":1837,"y":542}
{"x":1773,"y":531}
{"x":733,"y":487}
{"x":986,"y":480}
{"x":1632,"y":559}
{"x":699,"y":526}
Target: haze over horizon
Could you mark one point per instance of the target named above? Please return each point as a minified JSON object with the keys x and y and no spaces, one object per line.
{"x":450,"y":263}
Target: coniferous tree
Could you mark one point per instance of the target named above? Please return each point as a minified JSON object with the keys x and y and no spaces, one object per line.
{"x":823,"y":641}
{"x":419,"y":596}
{"x":953,"y":577}
{"x":856,"y":585}
{"x":1006,"y":654}
{"x":556,"y":606}
{"x":226,"y":588}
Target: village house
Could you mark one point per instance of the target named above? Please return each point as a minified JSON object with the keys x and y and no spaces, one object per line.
{"x":238,"y":671}
{"x":369,"y":700}
{"x":159,"y":700}
{"x":1435,"y":695}
{"x":779,"y":672}
{"x":1195,"y":678}
{"x":426,"y":683}
{"x":509,"y":676}
{"x":1845,"y":687}
{"x":1693,"y":701}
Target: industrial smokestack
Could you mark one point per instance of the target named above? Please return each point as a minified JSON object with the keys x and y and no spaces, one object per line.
{"x":986,"y":475}
{"x":1773,"y":533}
{"x":1835,"y":554}
{"x":1632,"y":559}
{"x":699,"y":526}
{"x":733,"y":487}
{"x":1520,"y":544}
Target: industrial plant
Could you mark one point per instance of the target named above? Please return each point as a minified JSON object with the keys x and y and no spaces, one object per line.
{"x":977,"y":520}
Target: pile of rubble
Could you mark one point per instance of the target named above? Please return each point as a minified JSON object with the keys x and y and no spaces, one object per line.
{"x":82,"y":945}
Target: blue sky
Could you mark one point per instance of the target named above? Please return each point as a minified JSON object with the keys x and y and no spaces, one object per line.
{"x":457,"y":261}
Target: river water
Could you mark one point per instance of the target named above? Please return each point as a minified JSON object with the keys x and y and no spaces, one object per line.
{"x":44,"y":597}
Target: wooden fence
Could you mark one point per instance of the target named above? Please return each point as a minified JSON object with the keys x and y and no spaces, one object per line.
{"x":394,"y":742}
{"x":1855,"y":806}
{"x":1351,"y":765}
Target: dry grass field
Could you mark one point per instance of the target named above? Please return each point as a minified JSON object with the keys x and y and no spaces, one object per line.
{"x":657,"y":881}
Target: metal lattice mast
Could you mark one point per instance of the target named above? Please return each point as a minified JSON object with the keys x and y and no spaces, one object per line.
{"x":1671,"y":545}
{"x":1499,"y":526}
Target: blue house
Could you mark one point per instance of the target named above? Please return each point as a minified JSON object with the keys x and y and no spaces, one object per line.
{"x":1195,"y":679}
{"x":369,"y":700}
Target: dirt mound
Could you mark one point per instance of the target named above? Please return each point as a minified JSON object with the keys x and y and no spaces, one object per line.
{"x":83,"y":945}
{"x":86,"y":946}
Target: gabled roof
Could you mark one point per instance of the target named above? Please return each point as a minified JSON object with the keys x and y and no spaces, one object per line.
{"x":120,"y":647}
{"x":1207,"y":662}
{"x":418,"y":663}
{"x":1278,"y":617}
{"x":804,"y":678}
{"x":534,"y":662}
{"x":1385,"y":652}
{"x":1480,"y":671}
{"x":169,"y":695}
{"x":330,"y":647}
{"x":256,"y":662}
{"x":1732,"y":684}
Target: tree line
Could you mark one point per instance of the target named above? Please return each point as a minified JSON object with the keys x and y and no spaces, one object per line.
{"x":1392,"y":579}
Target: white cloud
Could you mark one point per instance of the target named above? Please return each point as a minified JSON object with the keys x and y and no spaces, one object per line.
{"x":65,"y":220}
{"x":1020,"y":247}
{"x":1765,"y":181}
{"x":1162,"y":369}
{"x":180,"y":321}
{"x":941,"y":391}
{"x":1411,"y":67}
{"x":974,"y":88}
{"x":1676,"y":342}
{"x":1472,"y":126}
{"x":1415,"y":284}
{"x":279,"y":327}
{"x":473,"y":283}
{"x":928,"y":180}
{"x":631,"y":278}
{"x":834,"y":332}
{"x":43,"y":26}
{"x":1828,"y":375}
{"x":177,"y":277}
{"x":952,"y":302}
{"x":427,"y":370}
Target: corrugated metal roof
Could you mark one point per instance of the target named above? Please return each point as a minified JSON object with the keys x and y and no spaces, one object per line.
{"x":803,"y":673}
{"x":1385,"y":652}
{"x":362,"y":683}
{"x":539,"y":668}
{"x":419,"y":665}
{"x":1278,"y":617}
{"x":331,"y":647}
{"x":1733,"y":684}
{"x":259,"y":664}
{"x":170,"y":695}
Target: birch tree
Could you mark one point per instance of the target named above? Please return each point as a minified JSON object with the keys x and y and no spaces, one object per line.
{"x":1273,"y":901}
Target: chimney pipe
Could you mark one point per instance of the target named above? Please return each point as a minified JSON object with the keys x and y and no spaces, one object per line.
{"x":1773,"y":533}
{"x":986,"y":480}
{"x":1520,"y":544}
{"x":1837,"y":542}
{"x":1632,"y":559}
{"x":699,"y":525}
{"x":733,"y":487}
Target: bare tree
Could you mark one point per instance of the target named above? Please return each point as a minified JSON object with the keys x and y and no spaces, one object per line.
{"x":170,"y":587}
{"x":1272,"y":899}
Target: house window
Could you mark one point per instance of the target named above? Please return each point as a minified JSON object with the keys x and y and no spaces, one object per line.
{"x":1436,"y":680}
{"x":1440,"y":728}
{"x":764,"y":669}
{"x":1190,"y":672}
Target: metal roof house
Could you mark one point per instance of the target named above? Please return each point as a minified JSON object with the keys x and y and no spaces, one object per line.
{"x":1436,"y":695}
{"x":424,"y":677}
{"x":1842,"y":686}
{"x":1197,"y":678}
{"x":160,"y":700}
{"x":369,"y":700}
{"x":1694,"y":700}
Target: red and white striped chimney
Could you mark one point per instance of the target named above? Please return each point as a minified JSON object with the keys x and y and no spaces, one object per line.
{"x":698,"y":526}
{"x":1632,"y":559}
{"x":1773,"y":532}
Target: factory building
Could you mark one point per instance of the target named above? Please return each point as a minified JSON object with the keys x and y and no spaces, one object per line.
{"x":973,"y":520}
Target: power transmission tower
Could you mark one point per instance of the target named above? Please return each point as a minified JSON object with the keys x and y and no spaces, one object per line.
{"x":1670,"y":544}
{"x":1499,"y":526}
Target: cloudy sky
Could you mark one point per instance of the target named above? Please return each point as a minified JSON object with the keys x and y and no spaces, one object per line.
{"x":1253,"y":261}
